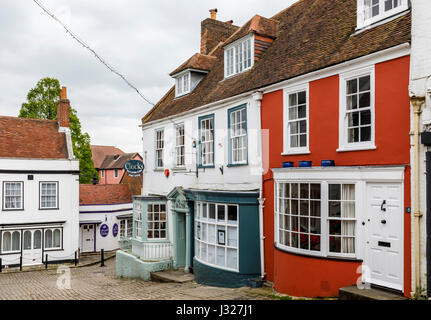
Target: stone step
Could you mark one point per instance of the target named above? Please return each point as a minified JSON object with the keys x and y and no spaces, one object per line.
{"x":177,"y":276}
{"x":354,"y":293}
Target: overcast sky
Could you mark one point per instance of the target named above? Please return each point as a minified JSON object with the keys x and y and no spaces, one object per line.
{"x":144,"y":40}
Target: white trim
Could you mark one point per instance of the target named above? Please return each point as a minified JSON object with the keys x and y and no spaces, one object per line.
{"x":180,"y":78}
{"x":156,"y":166}
{"x":233,"y":46}
{"x":362,"y":22}
{"x":343,"y":143}
{"x":287,"y":150}
{"x":370,"y":59}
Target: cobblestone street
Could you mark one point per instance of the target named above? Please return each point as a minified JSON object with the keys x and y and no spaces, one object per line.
{"x":101,"y":283}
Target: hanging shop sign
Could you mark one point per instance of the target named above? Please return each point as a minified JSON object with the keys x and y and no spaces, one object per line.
{"x":134,"y":168}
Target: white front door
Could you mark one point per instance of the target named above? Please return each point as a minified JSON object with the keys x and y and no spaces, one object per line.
{"x":32,"y":247}
{"x":384,"y":235}
{"x":88,"y":238}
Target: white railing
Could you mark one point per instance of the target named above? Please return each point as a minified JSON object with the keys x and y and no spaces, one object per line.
{"x":157,"y":251}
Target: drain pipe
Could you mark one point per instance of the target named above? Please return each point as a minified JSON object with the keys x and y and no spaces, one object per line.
{"x":428,"y":222}
{"x":417,"y":110}
{"x":257,"y":98}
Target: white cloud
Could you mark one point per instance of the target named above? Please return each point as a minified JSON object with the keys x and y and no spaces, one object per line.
{"x":144,"y":40}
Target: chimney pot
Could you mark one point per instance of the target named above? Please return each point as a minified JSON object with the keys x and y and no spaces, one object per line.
{"x":214,"y":13}
{"x":63,"y":93}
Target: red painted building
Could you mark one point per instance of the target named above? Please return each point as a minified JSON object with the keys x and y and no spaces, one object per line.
{"x":338,"y":186}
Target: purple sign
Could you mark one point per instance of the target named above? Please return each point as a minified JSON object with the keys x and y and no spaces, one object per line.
{"x":115,"y":229}
{"x":104,"y":230}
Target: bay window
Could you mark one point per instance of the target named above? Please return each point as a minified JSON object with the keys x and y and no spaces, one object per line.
{"x":316,"y":218}
{"x":216,"y":234}
{"x":156,"y":221}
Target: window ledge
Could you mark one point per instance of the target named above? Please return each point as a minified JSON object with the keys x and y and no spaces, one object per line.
{"x":295,"y":152}
{"x":356,"y":148}
{"x":206,"y":167}
{"x":233,"y":165}
{"x":179,"y":169}
{"x":316,"y":256}
{"x":159,"y":170}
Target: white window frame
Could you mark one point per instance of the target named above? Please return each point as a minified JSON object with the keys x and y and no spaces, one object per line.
{"x":183,"y":83}
{"x":41,"y":183}
{"x":324,"y":219}
{"x":159,"y":221}
{"x":102,"y":173}
{"x":231,"y":55}
{"x":243,"y":151}
{"x":137,"y":220}
{"x":180,"y":149}
{"x":52,"y":248}
{"x":210,"y":143}
{"x":287,"y":149}
{"x":199,"y":219}
{"x":344,"y":145}
{"x":126,"y":228}
{"x":157,"y":149}
{"x":363,"y":22}
{"x":11,"y":243}
{"x":359,"y":176}
{"x":5,"y":183}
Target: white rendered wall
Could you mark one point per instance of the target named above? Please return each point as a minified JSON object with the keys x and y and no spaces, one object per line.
{"x":108,"y":216}
{"x":246,"y":177}
{"x":420,"y":85}
{"x":68,"y":197}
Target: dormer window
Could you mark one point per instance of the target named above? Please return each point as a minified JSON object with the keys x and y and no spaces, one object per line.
{"x":372,"y":11}
{"x":238,"y":56}
{"x":182,"y":84}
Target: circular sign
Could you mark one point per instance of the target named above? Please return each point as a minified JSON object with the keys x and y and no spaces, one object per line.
{"x":134,"y":167}
{"x":104,"y":230}
{"x":115,"y":230}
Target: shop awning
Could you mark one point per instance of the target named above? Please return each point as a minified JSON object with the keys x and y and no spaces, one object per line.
{"x":81,"y":222}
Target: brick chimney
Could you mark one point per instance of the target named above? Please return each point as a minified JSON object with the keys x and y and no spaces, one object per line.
{"x":63,"y":109}
{"x":214,"y":31}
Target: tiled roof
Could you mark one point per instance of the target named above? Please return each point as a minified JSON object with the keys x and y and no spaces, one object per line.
{"x":100,"y":152}
{"x":31,"y":139}
{"x":257,"y":25}
{"x":135,"y":183}
{"x":312,"y":34}
{"x":104,"y":194}
{"x":117,"y":161}
{"x":197,"y":61}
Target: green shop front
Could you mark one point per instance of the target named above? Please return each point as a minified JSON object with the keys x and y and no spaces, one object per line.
{"x":216,"y":235}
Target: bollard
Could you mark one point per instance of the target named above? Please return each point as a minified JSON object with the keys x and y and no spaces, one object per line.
{"x":76,"y":258}
{"x":102,"y":256}
{"x":20,"y":263}
{"x":46,"y":261}
{"x":1,"y":264}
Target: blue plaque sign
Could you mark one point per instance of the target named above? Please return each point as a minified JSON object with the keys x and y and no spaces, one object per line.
{"x":104,"y":230}
{"x":115,"y":230}
{"x":134,"y":167}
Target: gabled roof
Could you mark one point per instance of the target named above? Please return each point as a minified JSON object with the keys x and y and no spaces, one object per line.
{"x":197,"y":61}
{"x":31,"y":139}
{"x":257,"y":25}
{"x":312,"y":35}
{"x":104,"y":194}
{"x":100,"y":152}
{"x":117,"y":161}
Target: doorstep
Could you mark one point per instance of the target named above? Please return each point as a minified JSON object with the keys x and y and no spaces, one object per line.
{"x":177,"y":276}
{"x":354,"y":293}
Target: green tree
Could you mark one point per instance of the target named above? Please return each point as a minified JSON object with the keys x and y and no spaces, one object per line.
{"x":42,"y":104}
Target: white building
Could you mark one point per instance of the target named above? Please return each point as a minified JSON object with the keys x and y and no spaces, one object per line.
{"x":105,"y":217}
{"x":420,"y":93}
{"x":39,"y":182}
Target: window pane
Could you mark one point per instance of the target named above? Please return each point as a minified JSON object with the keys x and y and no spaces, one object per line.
{"x":232,"y":213}
{"x":16,"y":241}
{"x":37,"y":241}
{"x":27,"y":240}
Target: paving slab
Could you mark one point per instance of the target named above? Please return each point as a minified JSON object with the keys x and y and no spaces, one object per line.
{"x":354,"y":293}
{"x":177,"y":276}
